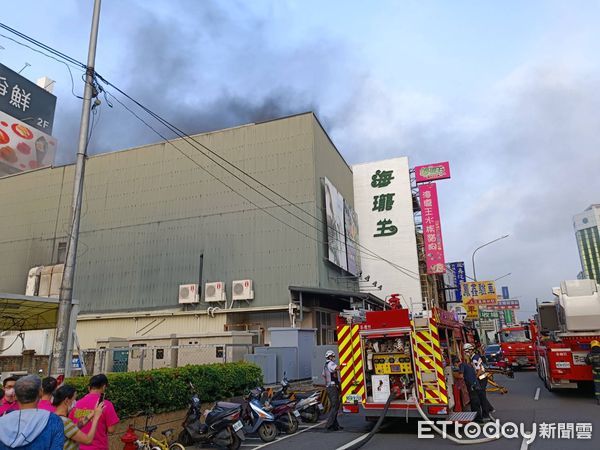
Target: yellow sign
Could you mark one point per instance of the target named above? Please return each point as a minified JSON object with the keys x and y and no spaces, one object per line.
{"x":472,"y":311}
{"x":481,"y":293}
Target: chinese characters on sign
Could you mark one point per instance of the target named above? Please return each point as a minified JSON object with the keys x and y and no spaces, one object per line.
{"x":26,"y":101}
{"x":431,"y":172}
{"x":480,"y":293}
{"x":506,"y":304}
{"x":458,"y":277}
{"x":432,"y":229}
{"x":383,"y":202}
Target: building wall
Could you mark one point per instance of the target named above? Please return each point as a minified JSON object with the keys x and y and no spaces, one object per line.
{"x":149,"y":213}
{"x":400,"y":248}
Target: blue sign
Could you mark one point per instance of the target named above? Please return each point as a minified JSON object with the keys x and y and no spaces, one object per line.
{"x":457,"y":270}
{"x":76,"y":363}
{"x":505,"y":292}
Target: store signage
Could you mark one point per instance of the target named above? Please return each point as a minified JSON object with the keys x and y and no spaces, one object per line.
{"x":23,"y":147}
{"x":458,"y":276}
{"x":481,"y":293}
{"x":432,"y":229}
{"x":432,"y":172}
{"x":505,"y":305}
{"x":26,"y":101}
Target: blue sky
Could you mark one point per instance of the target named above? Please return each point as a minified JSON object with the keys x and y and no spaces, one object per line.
{"x":507,"y":91}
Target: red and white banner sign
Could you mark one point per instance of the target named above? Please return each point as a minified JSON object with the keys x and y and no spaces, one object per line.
{"x":504,"y":305}
{"x":432,"y":229}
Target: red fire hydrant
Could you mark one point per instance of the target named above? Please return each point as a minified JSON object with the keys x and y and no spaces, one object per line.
{"x":129,"y":439}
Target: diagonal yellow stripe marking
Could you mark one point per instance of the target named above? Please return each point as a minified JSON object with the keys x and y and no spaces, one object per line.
{"x":426,"y":344}
{"x":347,"y":355}
{"x":342,"y":332}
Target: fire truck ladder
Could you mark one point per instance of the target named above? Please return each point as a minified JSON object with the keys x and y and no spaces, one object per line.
{"x":431,"y":382}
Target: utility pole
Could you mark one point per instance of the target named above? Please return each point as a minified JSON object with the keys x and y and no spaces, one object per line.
{"x":63,"y":325}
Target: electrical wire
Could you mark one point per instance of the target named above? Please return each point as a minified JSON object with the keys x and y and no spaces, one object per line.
{"x":188,"y":138}
{"x":52,"y":57}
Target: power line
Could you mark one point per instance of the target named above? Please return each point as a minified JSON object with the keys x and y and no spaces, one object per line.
{"x":193,"y":143}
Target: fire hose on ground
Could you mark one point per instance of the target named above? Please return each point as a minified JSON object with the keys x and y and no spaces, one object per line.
{"x":358,"y":443}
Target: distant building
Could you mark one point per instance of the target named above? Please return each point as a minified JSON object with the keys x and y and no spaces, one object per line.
{"x":588,"y":241}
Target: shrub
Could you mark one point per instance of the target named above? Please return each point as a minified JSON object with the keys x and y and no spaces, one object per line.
{"x":164,"y":390}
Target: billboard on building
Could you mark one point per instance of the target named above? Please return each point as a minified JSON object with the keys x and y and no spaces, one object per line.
{"x":457,"y":277}
{"x":23,"y":147}
{"x":26,"y":101}
{"x":432,"y":172}
{"x":352,"y":250}
{"x":480,"y":293}
{"x":336,"y":237}
{"x":432,"y":229}
{"x":384,"y":203}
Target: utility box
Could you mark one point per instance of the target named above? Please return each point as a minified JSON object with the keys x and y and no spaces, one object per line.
{"x":303,"y":339}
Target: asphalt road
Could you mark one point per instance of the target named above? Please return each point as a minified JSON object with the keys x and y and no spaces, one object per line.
{"x":519,"y":406}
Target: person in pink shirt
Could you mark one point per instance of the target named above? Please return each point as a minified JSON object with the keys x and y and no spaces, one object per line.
{"x":84,"y":409}
{"x":48,"y":387}
{"x":9,"y":401}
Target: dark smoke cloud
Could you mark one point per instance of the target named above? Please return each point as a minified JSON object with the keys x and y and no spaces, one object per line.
{"x":203,"y":70}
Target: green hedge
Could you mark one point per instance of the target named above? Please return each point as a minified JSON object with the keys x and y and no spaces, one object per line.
{"x":164,"y":390}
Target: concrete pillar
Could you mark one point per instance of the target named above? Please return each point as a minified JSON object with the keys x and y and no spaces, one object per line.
{"x":27,"y":363}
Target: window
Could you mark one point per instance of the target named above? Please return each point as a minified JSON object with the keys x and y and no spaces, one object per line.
{"x":160,"y":353}
{"x":325,"y":325}
{"x":137,"y":350}
{"x":61,"y":253}
{"x":219,"y":351}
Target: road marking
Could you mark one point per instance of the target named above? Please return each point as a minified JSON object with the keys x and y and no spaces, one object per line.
{"x":351,"y":443}
{"x":524,"y":444}
{"x":291,"y":435}
{"x":537,"y":394}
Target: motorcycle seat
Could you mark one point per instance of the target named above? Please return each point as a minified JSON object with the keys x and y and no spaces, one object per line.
{"x":221,"y":410}
{"x":303,"y":395}
{"x":151,"y":428}
{"x":276,"y":403}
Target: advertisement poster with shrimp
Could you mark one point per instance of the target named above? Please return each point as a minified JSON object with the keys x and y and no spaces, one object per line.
{"x":23,"y":147}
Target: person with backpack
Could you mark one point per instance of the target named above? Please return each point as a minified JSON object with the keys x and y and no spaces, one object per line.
{"x":593,"y":359}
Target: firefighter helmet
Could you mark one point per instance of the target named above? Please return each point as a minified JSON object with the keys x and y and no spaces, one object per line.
{"x":468,"y":347}
{"x":595,"y":343}
{"x":329,"y":354}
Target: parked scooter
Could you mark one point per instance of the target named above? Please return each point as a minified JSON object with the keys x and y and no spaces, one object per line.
{"x":284,"y":410}
{"x":222,"y":426}
{"x":257,"y":419}
{"x":307,"y":404}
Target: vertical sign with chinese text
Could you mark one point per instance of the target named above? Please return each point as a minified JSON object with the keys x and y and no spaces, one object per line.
{"x":458,"y":277}
{"x":432,"y":229}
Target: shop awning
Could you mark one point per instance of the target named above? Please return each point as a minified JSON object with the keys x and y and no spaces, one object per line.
{"x":23,"y":312}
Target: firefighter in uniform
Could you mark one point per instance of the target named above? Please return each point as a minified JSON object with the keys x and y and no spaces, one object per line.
{"x":593,"y":359}
{"x":331,"y":374}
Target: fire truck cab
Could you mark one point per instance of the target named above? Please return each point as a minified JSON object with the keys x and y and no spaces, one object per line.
{"x":517,"y":343}
{"x":404,"y":356}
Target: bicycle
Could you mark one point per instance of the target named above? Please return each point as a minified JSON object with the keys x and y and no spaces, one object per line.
{"x":149,"y":442}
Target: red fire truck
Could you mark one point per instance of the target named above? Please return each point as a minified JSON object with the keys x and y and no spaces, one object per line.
{"x":394,"y":352}
{"x":567,"y":325}
{"x":517,"y":343}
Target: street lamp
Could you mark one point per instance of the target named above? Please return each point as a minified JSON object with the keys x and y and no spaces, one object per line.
{"x":481,"y":246}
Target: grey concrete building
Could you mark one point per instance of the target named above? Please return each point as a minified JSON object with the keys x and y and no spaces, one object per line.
{"x":150,"y":214}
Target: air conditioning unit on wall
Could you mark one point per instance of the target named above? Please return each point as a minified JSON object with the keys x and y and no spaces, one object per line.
{"x":188,"y":293}
{"x":215,"y":292}
{"x":242,"y":290}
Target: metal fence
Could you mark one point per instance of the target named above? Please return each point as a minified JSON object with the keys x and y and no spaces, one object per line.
{"x":138,"y":357}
